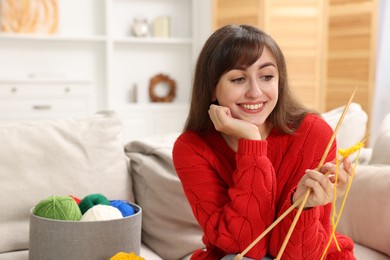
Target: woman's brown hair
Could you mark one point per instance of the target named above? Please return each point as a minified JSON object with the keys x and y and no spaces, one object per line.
{"x":226,"y":48}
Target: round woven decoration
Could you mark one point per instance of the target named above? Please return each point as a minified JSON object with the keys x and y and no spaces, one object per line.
{"x":162,"y":79}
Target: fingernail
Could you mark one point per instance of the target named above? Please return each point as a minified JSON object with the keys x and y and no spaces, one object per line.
{"x":327,"y":165}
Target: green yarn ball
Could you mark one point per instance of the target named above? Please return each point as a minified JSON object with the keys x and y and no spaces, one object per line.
{"x":91,"y":200}
{"x":59,"y":208}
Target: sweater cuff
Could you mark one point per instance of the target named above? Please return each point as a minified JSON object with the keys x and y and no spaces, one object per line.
{"x":246,"y":146}
{"x":308,"y":215}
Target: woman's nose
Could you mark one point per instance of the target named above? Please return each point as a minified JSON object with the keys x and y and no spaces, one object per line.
{"x":254,"y":89}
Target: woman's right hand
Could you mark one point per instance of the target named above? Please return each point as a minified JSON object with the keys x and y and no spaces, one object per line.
{"x":224,"y":122}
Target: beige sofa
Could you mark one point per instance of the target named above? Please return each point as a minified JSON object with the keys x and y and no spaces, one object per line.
{"x":83,"y":156}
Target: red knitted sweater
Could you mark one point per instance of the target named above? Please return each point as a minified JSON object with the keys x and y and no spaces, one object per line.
{"x":235,"y":196}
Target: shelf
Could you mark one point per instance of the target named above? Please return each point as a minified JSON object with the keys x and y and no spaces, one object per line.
{"x":95,"y":49}
{"x":33,"y":79}
{"x":151,"y":40}
{"x":154,"y":105}
{"x":45,"y":37}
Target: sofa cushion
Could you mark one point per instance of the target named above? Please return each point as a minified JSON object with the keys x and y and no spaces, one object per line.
{"x":58,"y":157}
{"x":168,"y":225}
{"x":367,"y":211}
{"x":381,"y":147}
{"x":363,"y":252}
{"x":353,"y":127}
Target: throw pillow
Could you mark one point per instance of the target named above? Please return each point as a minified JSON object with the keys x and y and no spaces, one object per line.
{"x":353,"y":127}
{"x":57,"y":157}
{"x":168,"y":226}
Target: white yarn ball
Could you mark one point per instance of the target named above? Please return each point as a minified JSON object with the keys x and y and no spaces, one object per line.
{"x":101,"y":212}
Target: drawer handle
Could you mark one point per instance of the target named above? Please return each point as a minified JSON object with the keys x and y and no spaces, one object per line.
{"x":41,"y":107}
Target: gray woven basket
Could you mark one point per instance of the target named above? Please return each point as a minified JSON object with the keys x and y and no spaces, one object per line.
{"x":78,"y":240}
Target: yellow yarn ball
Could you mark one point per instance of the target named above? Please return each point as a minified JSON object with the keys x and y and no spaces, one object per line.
{"x":126,"y":256}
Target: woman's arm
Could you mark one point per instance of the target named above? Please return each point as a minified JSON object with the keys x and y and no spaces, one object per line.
{"x":231,"y":217}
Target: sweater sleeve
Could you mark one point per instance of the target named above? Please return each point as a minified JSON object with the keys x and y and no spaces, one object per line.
{"x":231,"y":216}
{"x":313,"y":229}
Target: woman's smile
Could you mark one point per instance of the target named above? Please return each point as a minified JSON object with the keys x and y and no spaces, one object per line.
{"x":252,"y":107}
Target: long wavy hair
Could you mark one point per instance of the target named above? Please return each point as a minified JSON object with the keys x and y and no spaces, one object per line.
{"x":235,"y":46}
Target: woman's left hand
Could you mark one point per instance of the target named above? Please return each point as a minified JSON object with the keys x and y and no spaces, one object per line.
{"x":321,"y":189}
{"x":344,"y":175}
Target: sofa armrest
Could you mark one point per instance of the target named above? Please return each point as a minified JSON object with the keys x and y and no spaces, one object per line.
{"x":367,"y":210}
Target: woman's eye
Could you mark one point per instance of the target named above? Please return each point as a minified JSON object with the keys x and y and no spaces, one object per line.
{"x":267,"y":77}
{"x":238,"y":80}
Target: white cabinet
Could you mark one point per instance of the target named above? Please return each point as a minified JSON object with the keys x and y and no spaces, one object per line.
{"x":95,"y":43}
{"x":32,"y":99}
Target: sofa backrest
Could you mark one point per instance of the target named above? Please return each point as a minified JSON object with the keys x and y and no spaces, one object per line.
{"x":58,"y":157}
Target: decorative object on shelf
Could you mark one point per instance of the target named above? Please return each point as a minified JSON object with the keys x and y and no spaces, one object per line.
{"x":133,"y":93}
{"x":162,"y":26}
{"x":162,"y":83}
{"x":29,"y":16}
{"x":140,"y":27}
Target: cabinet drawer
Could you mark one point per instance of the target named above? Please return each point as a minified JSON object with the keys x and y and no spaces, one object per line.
{"x":20,"y":90}
{"x":30,"y":105}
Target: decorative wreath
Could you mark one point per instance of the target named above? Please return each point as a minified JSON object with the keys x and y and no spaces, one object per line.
{"x":155,"y":81}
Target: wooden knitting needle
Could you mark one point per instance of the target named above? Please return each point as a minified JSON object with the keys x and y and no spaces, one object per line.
{"x":302,"y":198}
{"x":306,"y":196}
{"x":240,"y":256}
{"x":281,"y":217}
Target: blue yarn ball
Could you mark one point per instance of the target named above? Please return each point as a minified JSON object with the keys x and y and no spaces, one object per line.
{"x":124,"y":207}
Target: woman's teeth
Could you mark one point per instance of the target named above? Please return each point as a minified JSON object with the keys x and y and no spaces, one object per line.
{"x":252,"y":107}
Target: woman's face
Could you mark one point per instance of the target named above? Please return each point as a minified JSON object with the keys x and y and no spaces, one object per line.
{"x":250,"y":93}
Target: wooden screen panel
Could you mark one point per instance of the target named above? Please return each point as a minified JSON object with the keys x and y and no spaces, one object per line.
{"x":351,"y":59}
{"x":298,"y":27}
{"x":237,"y":12}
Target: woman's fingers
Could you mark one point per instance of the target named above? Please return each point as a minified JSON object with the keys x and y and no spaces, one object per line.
{"x":224,"y":122}
{"x":343,"y":175}
{"x":322,"y":188}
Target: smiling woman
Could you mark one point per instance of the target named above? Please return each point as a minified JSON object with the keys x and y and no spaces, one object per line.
{"x":250,"y":94}
{"x":248,"y":150}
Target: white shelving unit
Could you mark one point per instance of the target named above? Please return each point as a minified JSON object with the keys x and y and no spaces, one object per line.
{"x":94,"y":43}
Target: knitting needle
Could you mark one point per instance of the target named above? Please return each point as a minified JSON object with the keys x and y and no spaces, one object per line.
{"x":281,"y":217}
{"x":306,"y":196}
{"x":240,"y":256}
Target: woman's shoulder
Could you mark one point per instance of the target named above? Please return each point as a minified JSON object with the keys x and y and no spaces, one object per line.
{"x":191,"y":140}
{"x":188,"y":137}
{"x":316,"y":123}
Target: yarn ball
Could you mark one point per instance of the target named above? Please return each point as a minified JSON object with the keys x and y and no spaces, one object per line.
{"x":58,"y":207}
{"x":126,"y":256}
{"x":101,"y":212}
{"x":75,"y":199}
{"x":124,"y":207}
{"x":92,"y":200}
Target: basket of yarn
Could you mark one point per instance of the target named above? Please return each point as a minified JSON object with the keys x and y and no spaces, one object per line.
{"x":66,"y":227}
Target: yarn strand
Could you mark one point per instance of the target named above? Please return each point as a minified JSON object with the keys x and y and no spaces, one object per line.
{"x":345,"y":153}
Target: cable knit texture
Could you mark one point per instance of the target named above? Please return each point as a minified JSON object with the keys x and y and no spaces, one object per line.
{"x":235,"y":196}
